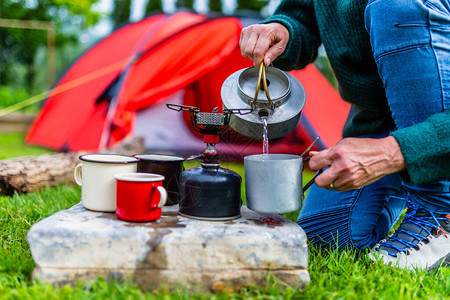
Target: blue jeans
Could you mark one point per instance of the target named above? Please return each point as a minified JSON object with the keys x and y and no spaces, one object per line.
{"x":411,"y":44}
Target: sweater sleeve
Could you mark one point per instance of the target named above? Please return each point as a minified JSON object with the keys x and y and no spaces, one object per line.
{"x":426,"y":149}
{"x":298,"y":17}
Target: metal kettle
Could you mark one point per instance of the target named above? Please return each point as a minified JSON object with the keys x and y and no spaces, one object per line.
{"x":272,"y":94}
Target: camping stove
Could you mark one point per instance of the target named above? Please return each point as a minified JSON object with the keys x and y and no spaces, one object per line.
{"x":209,"y":192}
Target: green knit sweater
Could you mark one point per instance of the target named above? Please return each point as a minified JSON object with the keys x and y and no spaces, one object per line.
{"x":339,"y":25}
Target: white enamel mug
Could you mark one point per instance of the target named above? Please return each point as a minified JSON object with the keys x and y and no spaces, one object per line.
{"x":95,"y":175}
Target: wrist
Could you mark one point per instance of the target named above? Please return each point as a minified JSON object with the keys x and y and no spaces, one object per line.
{"x":394,"y":154}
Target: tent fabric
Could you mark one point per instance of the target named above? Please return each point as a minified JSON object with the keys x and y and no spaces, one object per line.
{"x":66,"y":112}
{"x":95,"y":103}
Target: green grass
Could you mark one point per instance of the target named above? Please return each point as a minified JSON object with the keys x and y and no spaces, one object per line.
{"x":334,"y":275}
{"x":12,"y":145}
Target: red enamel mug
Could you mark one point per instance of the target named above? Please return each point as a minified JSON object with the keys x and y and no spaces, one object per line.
{"x":139,"y":196}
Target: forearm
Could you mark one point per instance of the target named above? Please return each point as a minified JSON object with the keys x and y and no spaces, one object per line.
{"x":299,"y":18}
{"x":426,"y":149}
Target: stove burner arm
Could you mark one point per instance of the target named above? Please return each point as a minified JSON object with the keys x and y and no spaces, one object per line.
{"x":192,"y":112}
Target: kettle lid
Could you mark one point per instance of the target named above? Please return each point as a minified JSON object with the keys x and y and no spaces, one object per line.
{"x":278,"y":85}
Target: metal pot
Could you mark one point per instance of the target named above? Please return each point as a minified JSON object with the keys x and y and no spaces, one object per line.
{"x":273,"y":182}
{"x":271,"y":93}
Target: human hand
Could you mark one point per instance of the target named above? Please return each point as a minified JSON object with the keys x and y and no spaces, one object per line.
{"x":263,"y":42}
{"x":356,"y":162}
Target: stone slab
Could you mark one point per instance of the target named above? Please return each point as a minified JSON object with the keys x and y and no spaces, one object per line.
{"x":78,"y":245}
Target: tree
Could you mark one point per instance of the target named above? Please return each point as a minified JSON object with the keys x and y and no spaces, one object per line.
{"x":19,"y":46}
{"x":215,"y":5}
{"x":255,"y":5}
{"x":185,"y":4}
{"x":153,"y":5}
{"x":121,"y":13}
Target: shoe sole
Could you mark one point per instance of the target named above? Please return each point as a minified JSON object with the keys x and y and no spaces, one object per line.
{"x":444,"y":262}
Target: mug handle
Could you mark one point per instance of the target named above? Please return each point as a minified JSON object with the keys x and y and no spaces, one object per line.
{"x":162,"y":196}
{"x":77,"y":175}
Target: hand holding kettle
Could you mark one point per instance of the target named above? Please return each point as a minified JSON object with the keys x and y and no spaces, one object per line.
{"x":263,"y":42}
{"x":356,"y":162}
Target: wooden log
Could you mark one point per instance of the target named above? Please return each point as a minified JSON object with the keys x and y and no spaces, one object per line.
{"x":30,"y":174}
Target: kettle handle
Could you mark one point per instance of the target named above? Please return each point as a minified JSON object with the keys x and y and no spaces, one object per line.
{"x":262,"y":71}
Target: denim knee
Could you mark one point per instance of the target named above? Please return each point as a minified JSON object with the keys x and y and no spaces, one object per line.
{"x":411,"y":44}
{"x":396,"y":25}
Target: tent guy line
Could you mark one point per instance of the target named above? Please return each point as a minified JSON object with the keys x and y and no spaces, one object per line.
{"x":65,"y":86}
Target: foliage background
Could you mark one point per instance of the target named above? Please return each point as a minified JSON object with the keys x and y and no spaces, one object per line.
{"x":23,"y":52}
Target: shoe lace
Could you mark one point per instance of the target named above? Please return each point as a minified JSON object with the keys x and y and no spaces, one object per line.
{"x":424,"y":222}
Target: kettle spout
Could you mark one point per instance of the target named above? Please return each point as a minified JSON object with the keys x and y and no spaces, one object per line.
{"x":263,"y":114}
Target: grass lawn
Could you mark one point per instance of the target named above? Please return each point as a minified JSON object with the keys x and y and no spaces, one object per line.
{"x":335,"y":275}
{"x":12,"y":145}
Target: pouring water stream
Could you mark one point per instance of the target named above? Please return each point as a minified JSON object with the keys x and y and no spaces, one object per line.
{"x":265,"y":136}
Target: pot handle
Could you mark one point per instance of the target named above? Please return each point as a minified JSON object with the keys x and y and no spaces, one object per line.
{"x":308,"y":185}
{"x":262,"y":71}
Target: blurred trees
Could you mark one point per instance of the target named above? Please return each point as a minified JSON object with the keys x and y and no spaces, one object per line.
{"x":121,"y":12}
{"x":256,"y":5}
{"x":184,"y":3}
{"x":23,"y":51}
{"x":215,"y":5}
{"x":19,"y":48}
{"x":154,"y":5}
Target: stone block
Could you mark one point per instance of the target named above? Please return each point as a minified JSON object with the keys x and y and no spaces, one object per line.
{"x":174,"y":251}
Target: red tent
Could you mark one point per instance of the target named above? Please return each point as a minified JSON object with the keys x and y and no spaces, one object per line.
{"x":142,"y":65}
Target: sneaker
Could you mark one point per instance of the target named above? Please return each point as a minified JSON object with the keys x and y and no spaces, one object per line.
{"x":422,"y":241}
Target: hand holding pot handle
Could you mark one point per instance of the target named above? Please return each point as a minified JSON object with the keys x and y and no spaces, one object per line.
{"x":356,"y":162}
{"x":263,"y":42}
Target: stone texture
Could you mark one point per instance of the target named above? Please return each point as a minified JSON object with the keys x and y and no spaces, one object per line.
{"x":78,"y":244}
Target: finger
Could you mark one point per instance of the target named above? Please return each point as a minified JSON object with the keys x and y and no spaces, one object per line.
{"x":326,"y":178}
{"x":247,"y":43}
{"x":343,"y":182}
{"x":261,"y":48}
{"x":346,"y":183}
{"x":273,"y":52}
{"x":243,"y":41}
{"x":241,"y":37}
{"x":337,"y":185}
{"x":252,"y":49}
{"x":312,"y":153}
{"x":320,"y":160}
